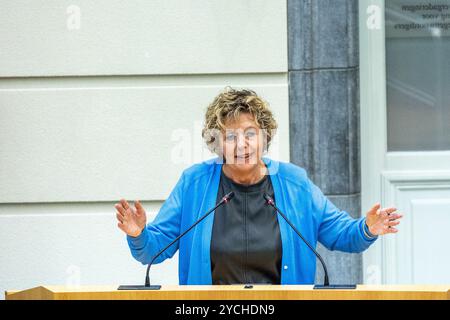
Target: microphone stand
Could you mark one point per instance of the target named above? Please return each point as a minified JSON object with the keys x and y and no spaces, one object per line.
{"x":147,"y":285}
{"x":326,"y":282}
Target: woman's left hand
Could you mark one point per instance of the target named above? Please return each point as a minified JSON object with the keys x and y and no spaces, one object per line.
{"x":382,"y":221}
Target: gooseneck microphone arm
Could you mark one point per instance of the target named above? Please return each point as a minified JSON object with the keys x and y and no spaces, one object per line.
{"x":269,"y":200}
{"x":225,"y":199}
{"x":147,"y":285}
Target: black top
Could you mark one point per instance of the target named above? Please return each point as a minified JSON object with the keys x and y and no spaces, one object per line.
{"x":246,"y":242}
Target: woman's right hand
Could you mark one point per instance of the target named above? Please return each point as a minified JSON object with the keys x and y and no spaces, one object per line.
{"x":131,"y":220}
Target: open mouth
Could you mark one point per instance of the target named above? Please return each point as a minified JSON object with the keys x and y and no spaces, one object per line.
{"x":243,"y":157}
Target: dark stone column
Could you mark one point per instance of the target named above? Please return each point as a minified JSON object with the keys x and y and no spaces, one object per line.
{"x":324,"y":110}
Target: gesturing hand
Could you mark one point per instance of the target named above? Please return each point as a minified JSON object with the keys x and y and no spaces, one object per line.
{"x":131,"y":220}
{"x":382,"y":221}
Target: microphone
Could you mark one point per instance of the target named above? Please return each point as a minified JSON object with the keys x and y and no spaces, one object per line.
{"x":147,"y":285}
{"x":326,"y":282}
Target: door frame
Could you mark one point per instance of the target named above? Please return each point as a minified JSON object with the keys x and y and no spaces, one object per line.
{"x":372,"y":119}
{"x":385,"y":174}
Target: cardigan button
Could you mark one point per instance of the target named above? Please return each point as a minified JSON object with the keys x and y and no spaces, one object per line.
{"x":285,"y":267}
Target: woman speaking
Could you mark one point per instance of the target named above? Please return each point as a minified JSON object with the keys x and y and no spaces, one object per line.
{"x":244,"y":241}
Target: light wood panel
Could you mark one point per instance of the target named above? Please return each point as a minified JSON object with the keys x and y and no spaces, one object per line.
{"x":237,"y":292}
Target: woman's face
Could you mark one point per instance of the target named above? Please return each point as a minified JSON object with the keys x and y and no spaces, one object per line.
{"x":243,"y":143}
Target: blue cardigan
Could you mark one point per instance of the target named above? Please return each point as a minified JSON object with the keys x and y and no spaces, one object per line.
{"x":295,"y":195}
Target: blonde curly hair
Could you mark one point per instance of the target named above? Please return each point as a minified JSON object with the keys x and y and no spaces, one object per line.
{"x":229,"y":105}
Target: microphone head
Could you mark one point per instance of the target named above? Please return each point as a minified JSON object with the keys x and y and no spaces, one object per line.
{"x":228,"y":196}
{"x":267,"y":197}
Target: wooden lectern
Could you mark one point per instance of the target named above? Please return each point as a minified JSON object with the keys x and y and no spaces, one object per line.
{"x":236,"y":292}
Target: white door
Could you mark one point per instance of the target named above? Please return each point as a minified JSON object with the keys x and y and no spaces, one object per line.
{"x":405,"y":136}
